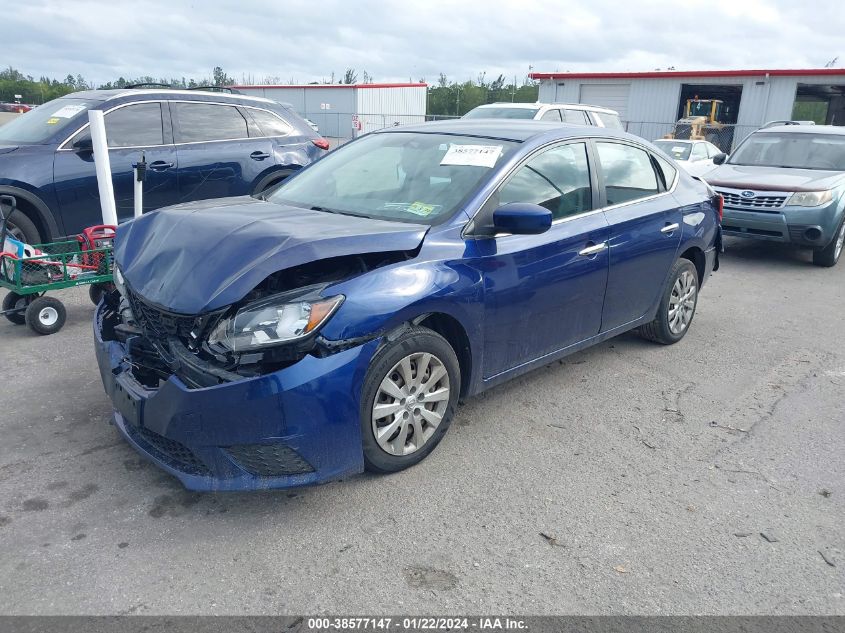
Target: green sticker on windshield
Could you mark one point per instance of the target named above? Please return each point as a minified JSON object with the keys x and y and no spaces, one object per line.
{"x":421,"y":208}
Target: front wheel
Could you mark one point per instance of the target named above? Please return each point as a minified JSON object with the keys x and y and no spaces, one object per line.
{"x":409,"y":398}
{"x":829,"y":255}
{"x":677,"y":305}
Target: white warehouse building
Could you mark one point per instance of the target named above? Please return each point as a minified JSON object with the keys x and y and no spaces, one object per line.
{"x":347,"y":110}
{"x":650,"y":102}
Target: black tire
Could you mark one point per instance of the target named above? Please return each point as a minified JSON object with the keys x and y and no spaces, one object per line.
{"x":45,"y":315}
{"x":829,"y":255}
{"x":96,"y":292}
{"x":416,"y":340}
{"x":660,"y":330}
{"x":14,"y":301}
{"x":22,"y":228}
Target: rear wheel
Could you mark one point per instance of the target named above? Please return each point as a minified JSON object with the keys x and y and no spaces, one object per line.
{"x":829,"y":255}
{"x":408,"y":401}
{"x":677,"y":306}
{"x":18,"y":303}
{"x":45,"y":315}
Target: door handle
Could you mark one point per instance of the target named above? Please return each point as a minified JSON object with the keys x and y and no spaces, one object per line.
{"x":258,"y":155}
{"x":592,"y":250}
{"x":160,"y":165}
{"x":670,"y":228}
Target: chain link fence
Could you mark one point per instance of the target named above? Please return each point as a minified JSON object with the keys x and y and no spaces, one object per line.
{"x":725,"y":137}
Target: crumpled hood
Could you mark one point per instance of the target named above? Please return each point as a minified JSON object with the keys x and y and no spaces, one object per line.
{"x":773,"y":178}
{"x":201,"y":256}
{"x":5,"y":149}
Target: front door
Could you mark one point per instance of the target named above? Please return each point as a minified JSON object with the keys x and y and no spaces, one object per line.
{"x":545,"y":292}
{"x":217,"y":155}
{"x":130,"y":130}
{"x":645,"y":231}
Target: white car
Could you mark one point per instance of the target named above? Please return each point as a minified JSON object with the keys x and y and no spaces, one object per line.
{"x":696,"y":157}
{"x":573,"y":113}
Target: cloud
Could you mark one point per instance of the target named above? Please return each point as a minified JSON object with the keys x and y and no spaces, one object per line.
{"x":307,"y":41}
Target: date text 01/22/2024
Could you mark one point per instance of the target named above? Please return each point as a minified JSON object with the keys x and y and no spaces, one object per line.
{"x":416,"y":624}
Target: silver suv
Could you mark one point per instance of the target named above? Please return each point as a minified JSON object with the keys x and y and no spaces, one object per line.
{"x":572,"y":113}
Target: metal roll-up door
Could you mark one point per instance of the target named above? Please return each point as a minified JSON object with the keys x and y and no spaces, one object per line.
{"x":613,"y":96}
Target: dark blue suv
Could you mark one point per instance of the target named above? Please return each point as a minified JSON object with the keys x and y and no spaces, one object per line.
{"x":197,"y":144}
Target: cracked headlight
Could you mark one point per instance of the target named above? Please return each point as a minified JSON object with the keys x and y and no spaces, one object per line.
{"x":273,"y":321}
{"x":809,"y":198}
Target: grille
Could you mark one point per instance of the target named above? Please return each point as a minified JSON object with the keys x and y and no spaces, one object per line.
{"x":269,"y":460}
{"x":159,"y":323}
{"x":172,"y":451}
{"x":759,"y":203}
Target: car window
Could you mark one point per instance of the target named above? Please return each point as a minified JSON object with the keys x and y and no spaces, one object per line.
{"x":551,"y":115}
{"x":558,"y":179}
{"x":577,"y":117}
{"x":504,"y":112}
{"x":135,"y":125}
{"x":611,"y":121}
{"x":796,"y":150}
{"x":699,"y":152}
{"x":666,"y":170}
{"x":628,"y":173}
{"x":404,"y":176}
{"x":208,"y":122}
{"x":41,"y":123}
{"x":269,"y":123}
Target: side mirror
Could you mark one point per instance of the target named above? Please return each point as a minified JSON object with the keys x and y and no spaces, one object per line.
{"x":719,"y":159}
{"x":522,"y":218}
{"x":83,"y":144}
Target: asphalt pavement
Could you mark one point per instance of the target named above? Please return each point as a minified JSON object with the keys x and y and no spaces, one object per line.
{"x":702,"y":478}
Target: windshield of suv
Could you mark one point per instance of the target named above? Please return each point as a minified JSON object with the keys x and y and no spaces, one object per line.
{"x":404,"y":176}
{"x":39,"y":124}
{"x":678,"y":151}
{"x":797,"y":150}
{"x":501,"y":113}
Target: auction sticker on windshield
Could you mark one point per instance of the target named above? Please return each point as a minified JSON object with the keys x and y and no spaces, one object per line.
{"x":68,"y":111}
{"x":473,"y":155}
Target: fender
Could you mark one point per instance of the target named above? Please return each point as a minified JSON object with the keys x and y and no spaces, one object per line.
{"x":45,"y":216}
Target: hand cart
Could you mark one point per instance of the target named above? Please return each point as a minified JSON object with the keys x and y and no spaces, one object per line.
{"x":29,"y":273}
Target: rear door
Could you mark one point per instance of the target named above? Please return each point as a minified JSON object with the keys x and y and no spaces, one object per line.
{"x":645,"y":230}
{"x":218,"y":154}
{"x":131,"y":130}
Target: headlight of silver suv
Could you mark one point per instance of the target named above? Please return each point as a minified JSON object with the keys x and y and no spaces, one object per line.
{"x":273,"y":321}
{"x":809,"y":198}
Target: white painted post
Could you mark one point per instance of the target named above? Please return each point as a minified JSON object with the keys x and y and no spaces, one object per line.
{"x":102,"y":165}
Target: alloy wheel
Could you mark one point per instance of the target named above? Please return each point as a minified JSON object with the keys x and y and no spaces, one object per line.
{"x":840,"y":241}
{"x":682,"y":302}
{"x":410,"y":403}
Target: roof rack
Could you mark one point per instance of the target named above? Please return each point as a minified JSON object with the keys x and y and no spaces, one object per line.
{"x":147,"y":84}
{"x":217,"y":89}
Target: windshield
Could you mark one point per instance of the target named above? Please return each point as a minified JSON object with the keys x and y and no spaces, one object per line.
{"x":796,"y":150}
{"x":39,"y":124}
{"x":404,"y":176}
{"x":501,"y":113}
{"x":678,"y":151}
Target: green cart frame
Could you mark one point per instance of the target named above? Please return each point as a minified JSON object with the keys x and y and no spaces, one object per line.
{"x":57,"y":265}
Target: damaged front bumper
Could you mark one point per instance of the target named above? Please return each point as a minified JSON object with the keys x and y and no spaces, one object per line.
{"x":293,"y":427}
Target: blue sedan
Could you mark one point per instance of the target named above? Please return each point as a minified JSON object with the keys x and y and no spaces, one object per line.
{"x":332,"y":325}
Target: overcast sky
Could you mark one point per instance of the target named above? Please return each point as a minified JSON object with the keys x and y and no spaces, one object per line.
{"x":396,"y":41}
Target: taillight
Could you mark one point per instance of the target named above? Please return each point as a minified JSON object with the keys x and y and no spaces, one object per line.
{"x":320,"y":142}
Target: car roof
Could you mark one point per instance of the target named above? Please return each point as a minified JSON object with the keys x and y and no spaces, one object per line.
{"x":518,"y":130}
{"x":538,"y":104}
{"x":108,"y":95}
{"x":803,"y":129}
